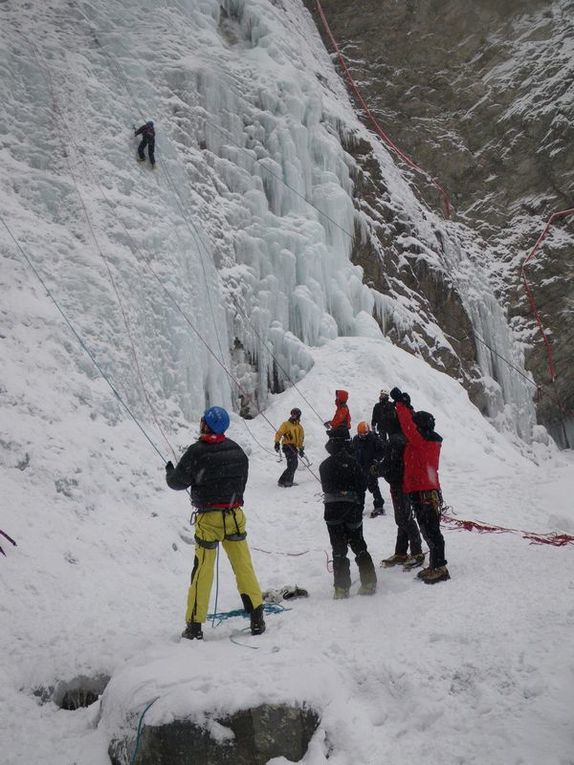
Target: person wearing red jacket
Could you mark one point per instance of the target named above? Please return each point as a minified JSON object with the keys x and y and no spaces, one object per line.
{"x":341,"y":418}
{"x":421,"y":482}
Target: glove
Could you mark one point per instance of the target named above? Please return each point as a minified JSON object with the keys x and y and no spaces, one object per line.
{"x":406,"y":399}
{"x":327,"y":424}
{"x":277,"y":447}
{"x":396,"y":394}
{"x":169,"y":466}
{"x":301,"y":452}
{"x":374,"y":469}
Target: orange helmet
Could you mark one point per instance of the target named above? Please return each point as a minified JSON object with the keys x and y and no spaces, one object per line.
{"x":363,"y":428}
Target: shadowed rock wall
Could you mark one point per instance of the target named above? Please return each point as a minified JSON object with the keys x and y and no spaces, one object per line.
{"x":482,"y":96}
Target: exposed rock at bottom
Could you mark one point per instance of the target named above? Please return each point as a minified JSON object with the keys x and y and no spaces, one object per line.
{"x":249,"y":737}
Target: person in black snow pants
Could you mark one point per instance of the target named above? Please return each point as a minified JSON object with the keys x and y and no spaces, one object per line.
{"x":343,"y":484}
{"x":384,"y":418}
{"x":391,"y":468}
{"x":147,"y":133}
{"x":368,"y":449}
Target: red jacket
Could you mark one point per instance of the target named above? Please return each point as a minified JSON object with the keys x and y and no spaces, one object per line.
{"x":421,"y":456}
{"x":342,"y":416}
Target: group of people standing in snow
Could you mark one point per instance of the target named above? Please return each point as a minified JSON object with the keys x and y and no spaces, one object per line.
{"x":401,"y":446}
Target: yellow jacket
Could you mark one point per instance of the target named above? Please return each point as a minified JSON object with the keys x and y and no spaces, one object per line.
{"x":292,"y":434}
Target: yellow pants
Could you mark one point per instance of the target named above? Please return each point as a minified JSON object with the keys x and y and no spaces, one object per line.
{"x":211,"y":528}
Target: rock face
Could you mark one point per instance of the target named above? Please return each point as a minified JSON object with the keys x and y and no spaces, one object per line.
{"x":481,"y":96}
{"x":250,"y":737}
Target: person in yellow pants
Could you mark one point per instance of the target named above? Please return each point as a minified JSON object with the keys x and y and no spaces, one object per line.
{"x":215,"y":471}
{"x":227,"y":527}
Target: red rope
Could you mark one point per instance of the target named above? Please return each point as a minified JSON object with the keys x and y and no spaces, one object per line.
{"x":531,"y":300}
{"x":373,"y":120}
{"x":551,"y":538}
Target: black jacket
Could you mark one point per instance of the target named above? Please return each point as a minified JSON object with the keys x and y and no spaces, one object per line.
{"x":368,"y":449}
{"x":146,"y":132}
{"x":384,"y":419}
{"x":391,"y":467}
{"x":215,"y":470}
{"x":342,"y":479}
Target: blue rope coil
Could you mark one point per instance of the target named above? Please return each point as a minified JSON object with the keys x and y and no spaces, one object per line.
{"x":221,"y":616}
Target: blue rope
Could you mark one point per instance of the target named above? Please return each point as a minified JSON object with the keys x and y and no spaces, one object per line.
{"x":268,"y":608}
{"x":136,"y":750}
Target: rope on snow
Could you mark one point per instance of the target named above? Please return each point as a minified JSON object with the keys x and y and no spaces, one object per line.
{"x":549,"y":538}
{"x":221,"y":616}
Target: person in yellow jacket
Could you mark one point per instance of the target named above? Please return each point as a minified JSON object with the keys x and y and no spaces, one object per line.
{"x":292,"y":436}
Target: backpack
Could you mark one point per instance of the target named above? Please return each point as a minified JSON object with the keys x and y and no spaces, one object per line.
{"x":391,"y":466}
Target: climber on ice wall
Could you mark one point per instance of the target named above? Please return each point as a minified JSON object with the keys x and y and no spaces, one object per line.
{"x":147,"y":133}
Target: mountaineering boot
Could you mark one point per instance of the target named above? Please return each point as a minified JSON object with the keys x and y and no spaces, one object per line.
{"x":369,"y":588}
{"x":140,"y":159}
{"x":257,"y":621}
{"x":423,"y":573}
{"x":413,"y":561}
{"x":377,"y":511}
{"x":340,"y":593}
{"x":394,"y":560}
{"x":435,"y":575}
{"x":193,"y":631}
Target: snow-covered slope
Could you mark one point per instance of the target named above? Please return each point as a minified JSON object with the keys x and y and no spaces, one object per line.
{"x":129,"y":301}
{"x":473,"y":670}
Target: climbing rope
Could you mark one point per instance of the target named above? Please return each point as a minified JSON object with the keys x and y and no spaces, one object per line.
{"x":79,"y":338}
{"x":139,"y":731}
{"x":268,"y":608}
{"x":373,"y":120}
{"x":148,"y":266}
{"x":550,"y":538}
{"x":5,"y":535}
{"x":534,"y":308}
{"x":66,"y":130}
{"x":276,"y":552}
{"x":198,"y":238}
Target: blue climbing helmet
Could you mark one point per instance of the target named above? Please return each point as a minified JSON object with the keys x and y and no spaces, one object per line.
{"x":149,"y":123}
{"x":216,"y":418}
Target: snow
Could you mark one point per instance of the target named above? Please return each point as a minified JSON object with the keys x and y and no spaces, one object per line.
{"x":176,"y":283}
{"x":477,"y":669}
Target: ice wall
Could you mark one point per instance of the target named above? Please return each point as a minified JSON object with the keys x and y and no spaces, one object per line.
{"x":207,"y":279}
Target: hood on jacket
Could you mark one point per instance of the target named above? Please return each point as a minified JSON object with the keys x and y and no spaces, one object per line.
{"x":341,"y":396}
